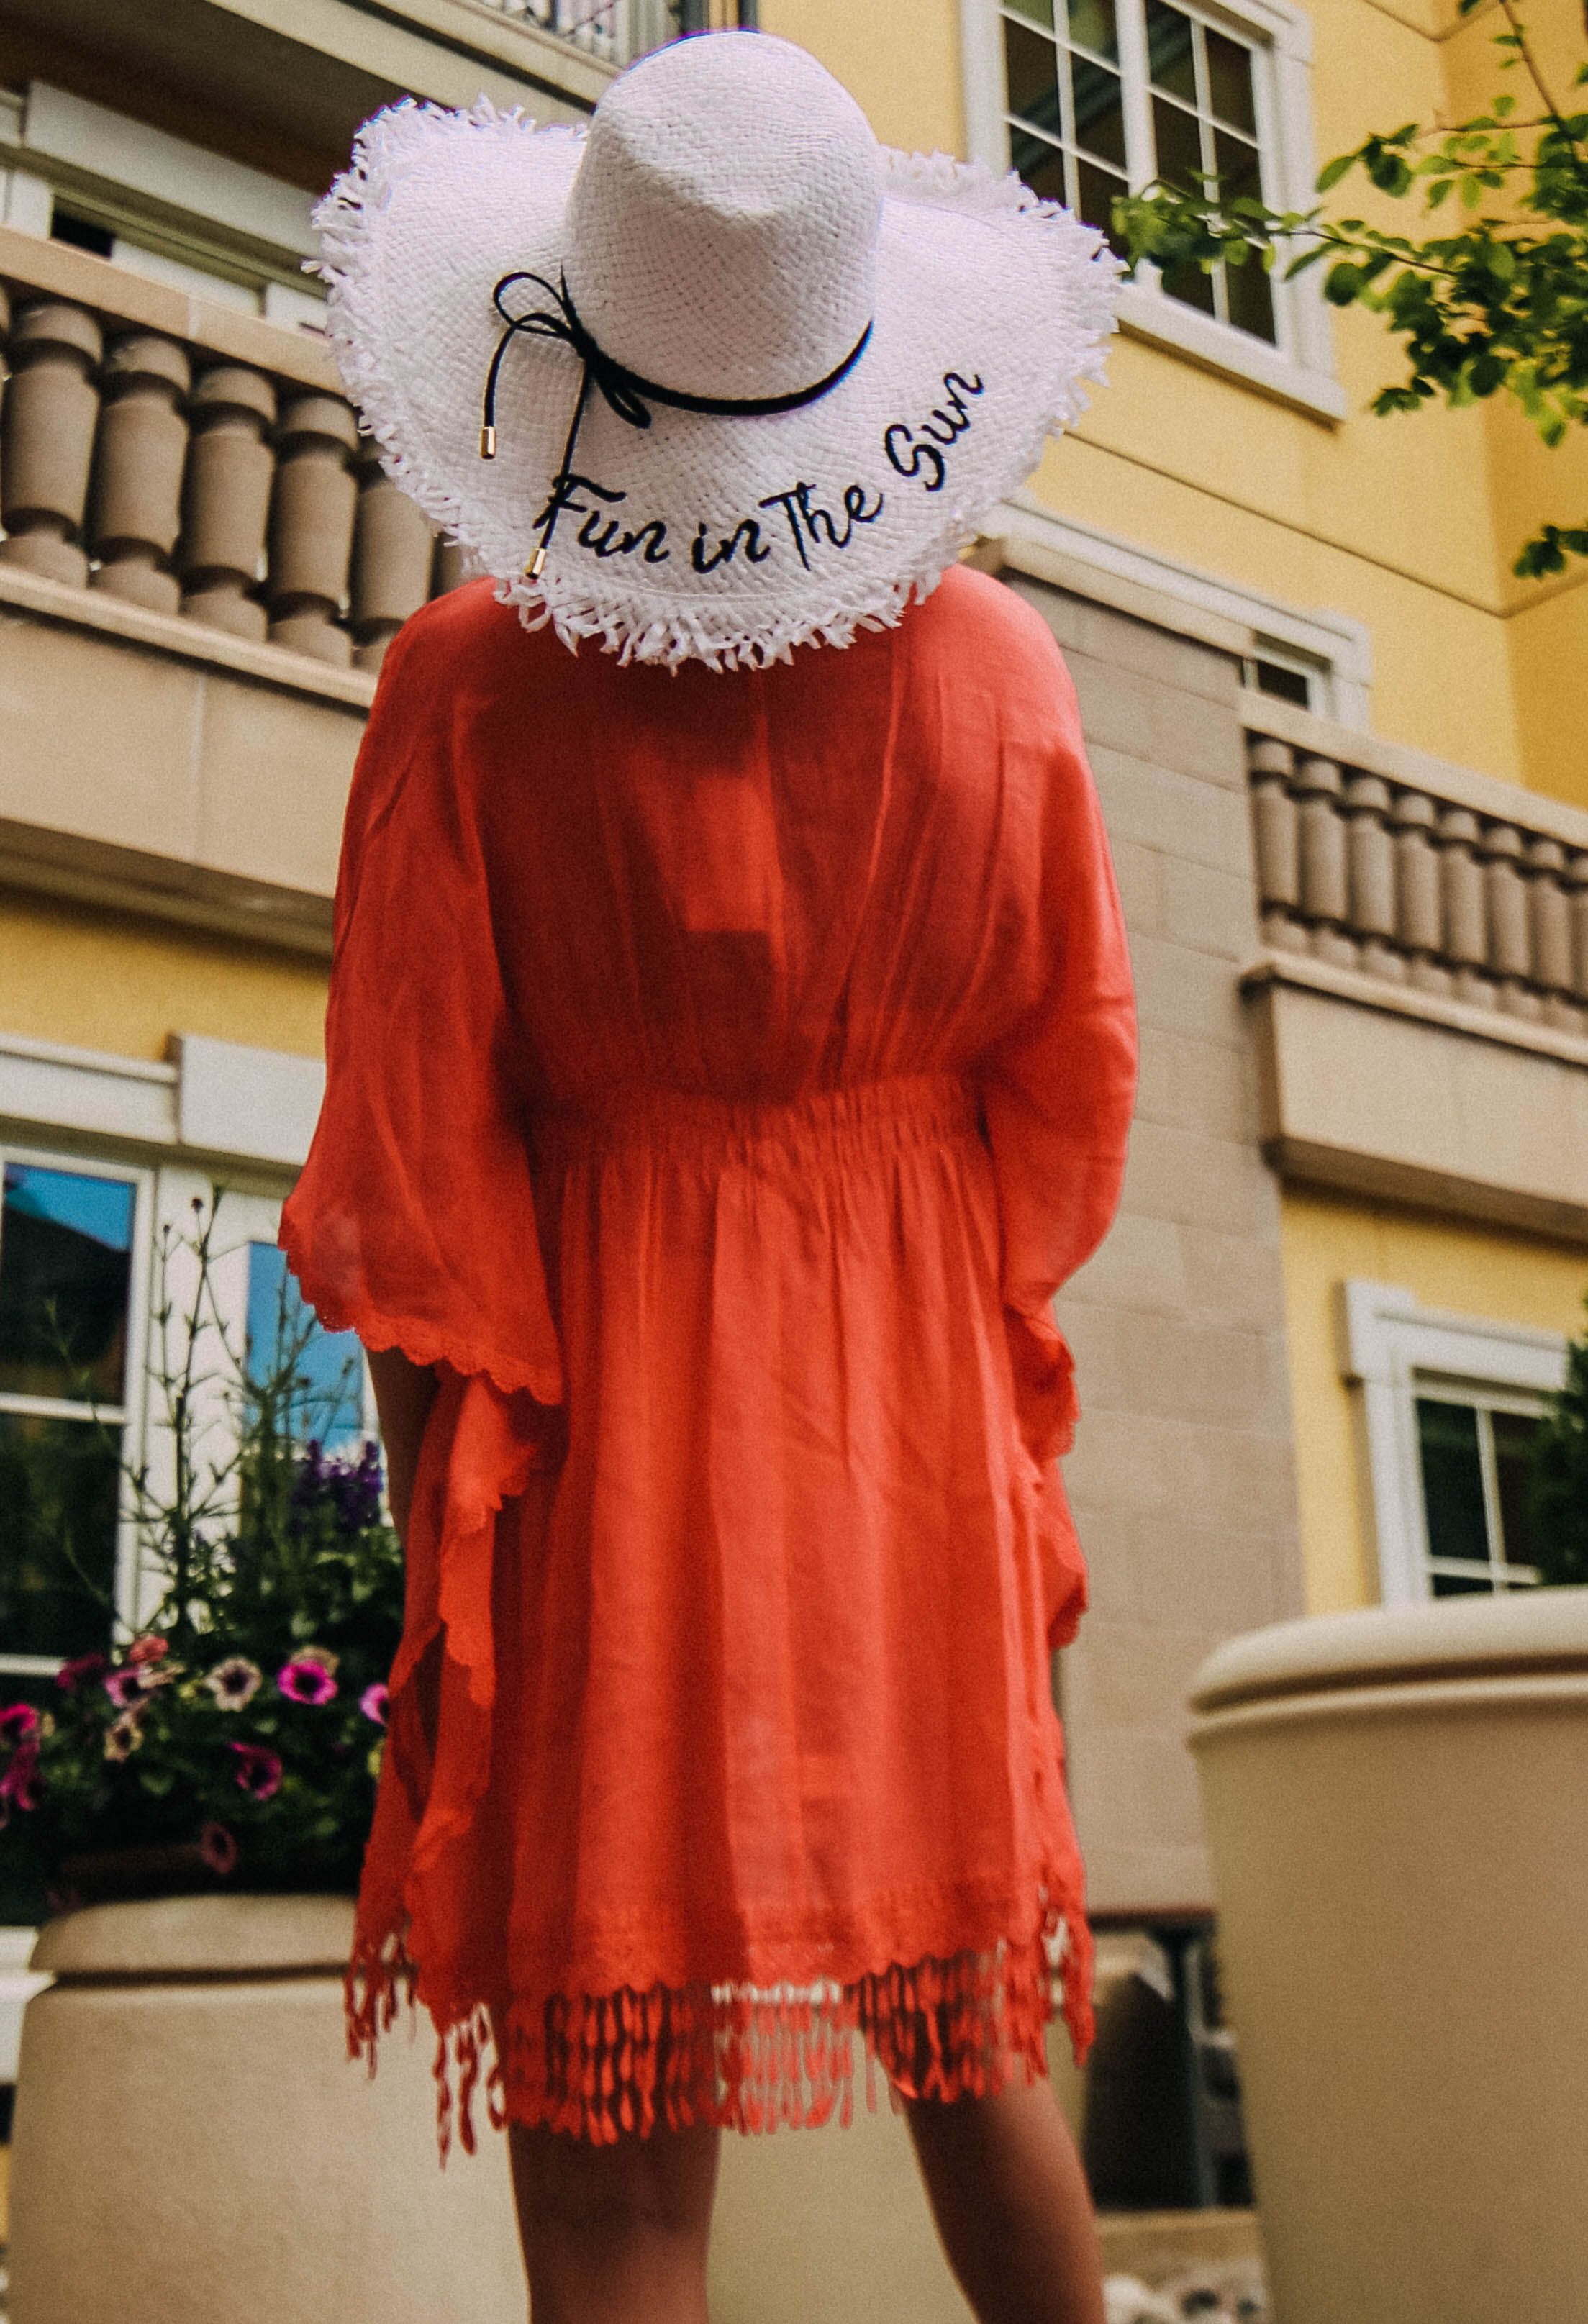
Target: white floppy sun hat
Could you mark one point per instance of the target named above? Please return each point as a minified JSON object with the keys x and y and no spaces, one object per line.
{"x":718,"y":376}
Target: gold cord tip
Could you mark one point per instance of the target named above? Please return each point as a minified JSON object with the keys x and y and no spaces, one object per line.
{"x":537,"y":564}
{"x":487,"y":443}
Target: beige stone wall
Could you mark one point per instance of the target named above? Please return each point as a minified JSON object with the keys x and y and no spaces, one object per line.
{"x":1182,"y":1475}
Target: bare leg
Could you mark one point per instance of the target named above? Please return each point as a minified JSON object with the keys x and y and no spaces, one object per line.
{"x":614,"y":2234}
{"x":1012,"y":2205}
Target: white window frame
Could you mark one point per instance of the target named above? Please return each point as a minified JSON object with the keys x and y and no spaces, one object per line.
{"x":1393,"y":1350}
{"x":129,"y":1413}
{"x":1300,"y":370}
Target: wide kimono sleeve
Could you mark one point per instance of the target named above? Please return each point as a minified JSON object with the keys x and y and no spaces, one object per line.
{"x":1057,"y":1090}
{"x":413,"y":1222}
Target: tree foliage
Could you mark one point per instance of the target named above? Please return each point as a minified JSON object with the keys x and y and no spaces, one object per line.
{"x":1557,"y":1484}
{"x":1496,"y":303}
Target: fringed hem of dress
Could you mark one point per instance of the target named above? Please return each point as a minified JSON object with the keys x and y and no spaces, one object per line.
{"x":736,"y":2056}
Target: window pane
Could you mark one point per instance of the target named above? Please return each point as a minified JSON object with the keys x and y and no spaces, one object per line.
{"x":1284,"y":685}
{"x":330,"y":1363}
{"x":1249,"y":293}
{"x":1041,"y":165}
{"x":1100,"y":117}
{"x":1229,"y":81}
{"x":1032,"y":64}
{"x":59,"y":1491}
{"x":1098,"y":190}
{"x":1236,"y":163}
{"x":1040,"y":12}
{"x":1092,"y":25}
{"x":1169,"y":56}
{"x":1178,"y":136}
{"x":1462,"y":1585}
{"x":1452,"y":1479}
{"x":1513,"y":1450}
{"x":65,"y":1264}
{"x":1192,"y":287}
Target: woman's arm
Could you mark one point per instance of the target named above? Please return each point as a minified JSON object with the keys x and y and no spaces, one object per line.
{"x":404,"y":1393}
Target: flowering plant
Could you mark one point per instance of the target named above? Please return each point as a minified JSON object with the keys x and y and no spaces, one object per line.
{"x":236,"y":1738}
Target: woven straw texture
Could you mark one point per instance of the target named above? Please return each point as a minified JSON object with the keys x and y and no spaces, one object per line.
{"x":727,"y":227}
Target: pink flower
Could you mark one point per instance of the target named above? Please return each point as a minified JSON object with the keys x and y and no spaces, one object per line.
{"x":148,"y":1649}
{"x":375,"y":1701}
{"x":234,"y":1683}
{"x":19,"y":1723}
{"x":127,"y":1687}
{"x":78,"y":1671}
{"x":304,"y":1680}
{"x":124,"y":1736}
{"x":259,"y":1771}
{"x":218,"y":1849}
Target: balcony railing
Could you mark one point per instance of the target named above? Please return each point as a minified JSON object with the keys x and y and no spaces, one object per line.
{"x":1464,"y":890}
{"x":616,"y":31}
{"x":197,"y":463}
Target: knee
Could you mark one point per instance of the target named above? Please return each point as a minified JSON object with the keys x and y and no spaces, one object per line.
{"x":661,"y":2185}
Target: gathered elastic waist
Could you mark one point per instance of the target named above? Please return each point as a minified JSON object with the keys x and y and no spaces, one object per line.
{"x":901,"y":1109}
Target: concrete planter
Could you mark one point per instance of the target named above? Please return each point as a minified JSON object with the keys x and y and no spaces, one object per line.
{"x":1397,"y":1803}
{"x":192,"y":2146}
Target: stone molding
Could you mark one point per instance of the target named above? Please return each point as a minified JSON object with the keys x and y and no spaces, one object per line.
{"x":213,"y":1101}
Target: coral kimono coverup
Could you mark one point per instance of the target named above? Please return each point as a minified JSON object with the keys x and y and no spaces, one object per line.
{"x":725,"y":1071}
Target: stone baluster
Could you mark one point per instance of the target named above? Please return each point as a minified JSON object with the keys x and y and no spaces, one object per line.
{"x":47,"y":439}
{"x":1321,"y":836}
{"x":1274,"y":835}
{"x":1466,"y":928}
{"x":135,"y":502}
{"x":1418,"y":916}
{"x":393,"y":553}
{"x":227,"y":498}
{"x":311,"y":513}
{"x":1510,"y":948}
{"x":447,"y":571}
{"x":1575,"y":881}
{"x":1371,"y":865}
{"x":1550,"y":909}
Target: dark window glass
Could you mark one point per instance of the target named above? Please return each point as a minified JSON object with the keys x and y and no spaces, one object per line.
{"x":1041,"y":165}
{"x":1100,"y":117}
{"x":330,"y":1363}
{"x":82,"y":234}
{"x":1091,"y":26}
{"x":1098,"y":190}
{"x":1237,"y":166}
{"x":1032,"y":65}
{"x":59,"y":1491}
{"x":65,"y":1259}
{"x":1513,"y":1450}
{"x":1452,"y":1479}
{"x":1192,"y":287}
{"x":1286,"y":685}
{"x":1177,"y":140}
{"x":1229,"y":81}
{"x":1170,"y":60}
{"x":1249,"y":292}
{"x":1462,"y":1585}
{"x":1040,"y":12}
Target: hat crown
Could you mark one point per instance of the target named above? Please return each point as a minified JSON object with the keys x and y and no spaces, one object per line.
{"x":722,"y":225}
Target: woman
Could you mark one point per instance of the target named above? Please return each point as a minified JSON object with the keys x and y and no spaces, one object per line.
{"x":730,"y":1051}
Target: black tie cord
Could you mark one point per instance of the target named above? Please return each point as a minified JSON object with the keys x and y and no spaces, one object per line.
{"x":627,"y":393}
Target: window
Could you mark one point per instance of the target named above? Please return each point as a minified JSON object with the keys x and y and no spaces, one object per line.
{"x":1282,"y":677}
{"x":1472,"y":1460}
{"x":1103,"y":95}
{"x":1449,"y":1404}
{"x":330,"y":1363}
{"x":68,"y":1310}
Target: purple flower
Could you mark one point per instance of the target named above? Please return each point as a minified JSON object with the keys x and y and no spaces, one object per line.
{"x":352,"y":1489}
{"x":218,"y":1849}
{"x":259,"y":1771}
{"x":375,"y":1701}
{"x":304,"y":1680}
{"x":80,"y":1671}
{"x":234,"y":1683}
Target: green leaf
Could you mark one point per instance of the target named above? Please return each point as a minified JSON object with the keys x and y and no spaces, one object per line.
{"x":1343,"y":283}
{"x":1333,"y":171}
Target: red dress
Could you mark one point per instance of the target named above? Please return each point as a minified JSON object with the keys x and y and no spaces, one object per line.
{"x":724,"y":1072}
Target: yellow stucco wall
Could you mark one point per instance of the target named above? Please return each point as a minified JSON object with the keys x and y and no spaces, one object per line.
{"x":1473,"y":1270}
{"x":98,"y":979}
{"x":1408,"y":524}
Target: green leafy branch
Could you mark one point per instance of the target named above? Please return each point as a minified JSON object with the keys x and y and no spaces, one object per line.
{"x":1499,"y":304}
